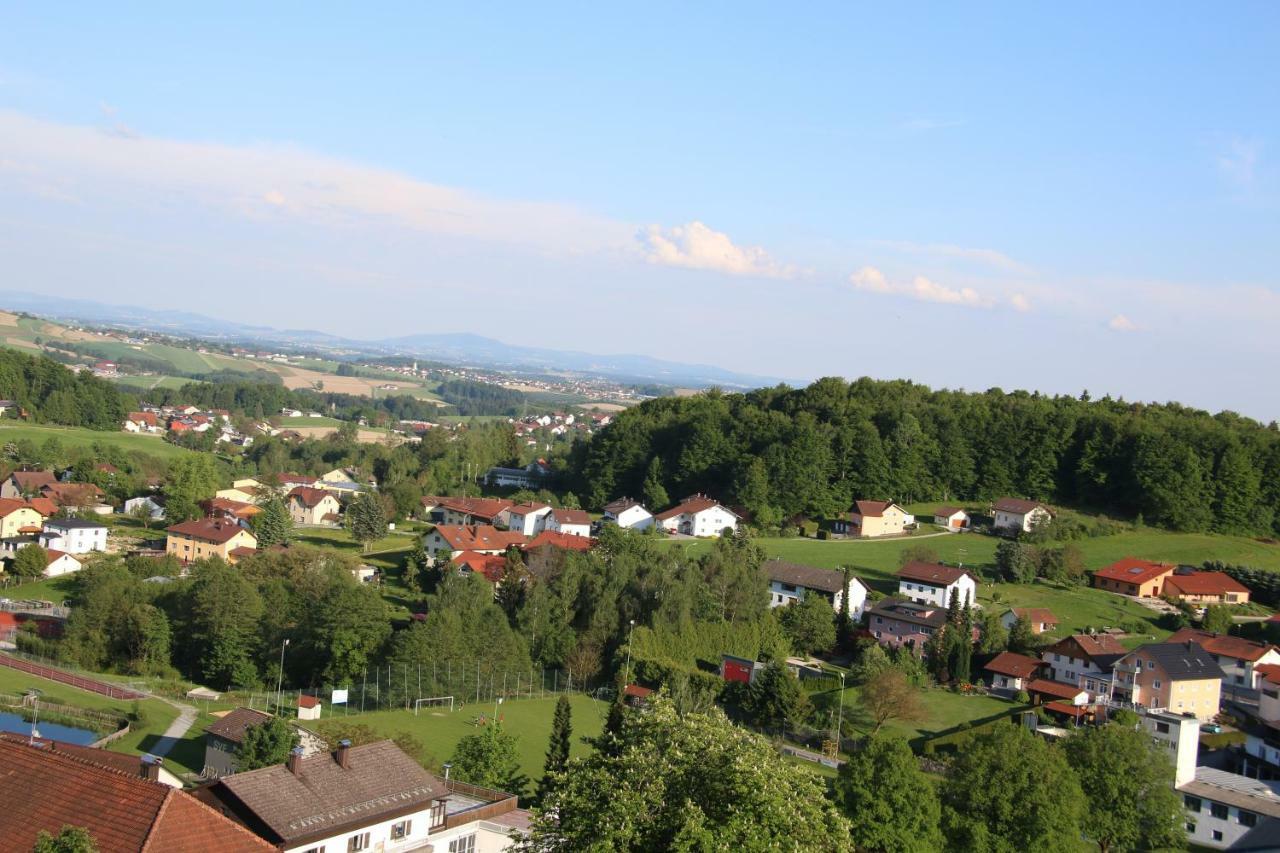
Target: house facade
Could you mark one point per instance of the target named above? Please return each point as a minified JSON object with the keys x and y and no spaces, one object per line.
{"x":932,"y":583}
{"x":792,"y":582}
{"x":313,"y":507}
{"x":1013,"y":515}
{"x":1084,"y":661}
{"x":1179,"y":677}
{"x":18,"y":517}
{"x":61,"y":563}
{"x":1133,"y":576}
{"x":697,"y":515}
{"x":464,"y":511}
{"x":870,"y":519}
{"x":901,"y":622}
{"x":224,"y":737}
{"x":24,"y":484}
{"x":1241,"y":660}
{"x":628,"y":514}
{"x":1039,"y":619}
{"x":528,"y":519}
{"x":1011,"y":672}
{"x":203,"y":538}
{"x":74,"y":535}
{"x":951,"y":517}
{"x":153,"y":504}
{"x":571,"y":522}
{"x":447,"y":541}
{"x":1205,"y":588}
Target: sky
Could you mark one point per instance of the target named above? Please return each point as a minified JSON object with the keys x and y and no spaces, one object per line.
{"x":1015,"y":195}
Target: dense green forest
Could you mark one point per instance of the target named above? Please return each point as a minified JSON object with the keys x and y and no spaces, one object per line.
{"x":784,"y":452}
{"x":50,"y":393}
{"x":481,"y":398}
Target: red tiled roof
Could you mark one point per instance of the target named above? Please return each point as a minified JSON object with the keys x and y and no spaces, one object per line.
{"x":1223,"y":645}
{"x":1269,"y":671}
{"x":689,"y":506}
{"x":1014,"y":664}
{"x":240,"y":509}
{"x":44,"y":506}
{"x":1036,"y":615}
{"x":309,"y":497}
{"x":1133,"y":570}
{"x":489,"y":566}
{"x":1090,"y":645}
{"x":209,"y":529}
{"x":242,"y":551}
{"x":946,"y":511}
{"x":556,"y":539}
{"x":637,"y":691}
{"x":45,"y":789}
{"x":932,"y":573}
{"x":1202,"y":583}
{"x":1053,"y":688}
{"x":12,"y":505}
{"x":478,"y":537}
{"x":485,"y":508}
{"x":1067,"y":708}
{"x":148,"y":418}
{"x":526,"y":508}
{"x":71,"y":494}
{"x":305,"y":701}
{"x":870,"y":509}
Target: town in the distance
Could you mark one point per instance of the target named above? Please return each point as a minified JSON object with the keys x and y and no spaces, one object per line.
{"x":298,"y":603}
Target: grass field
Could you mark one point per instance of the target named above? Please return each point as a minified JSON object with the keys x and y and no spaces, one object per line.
{"x":57,"y":589}
{"x":310,"y":422}
{"x":530,"y":719}
{"x":944,"y":711}
{"x":74,"y":437}
{"x":148,"y":383}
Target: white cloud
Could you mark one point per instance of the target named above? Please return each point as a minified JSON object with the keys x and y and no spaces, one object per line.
{"x":696,"y":246}
{"x":1020,"y":303}
{"x":1239,"y":161}
{"x":274,"y":197}
{"x":988,"y":257}
{"x":1121,"y":323}
{"x":919,"y":288}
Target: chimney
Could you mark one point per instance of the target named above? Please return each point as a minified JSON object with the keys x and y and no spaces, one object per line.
{"x":342,"y":755}
{"x":295,"y":761}
{"x":150,"y":769}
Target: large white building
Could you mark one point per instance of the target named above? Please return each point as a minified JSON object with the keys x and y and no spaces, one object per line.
{"x":74,"y":535}
{"x":932,"y":583}
{"x":528,"y":519}
{"x":697,"y":515}
{"x":1011,"y":515}
{"x":628,"y":514}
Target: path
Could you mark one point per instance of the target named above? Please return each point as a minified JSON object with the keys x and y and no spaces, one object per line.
{"x":177,"y":730}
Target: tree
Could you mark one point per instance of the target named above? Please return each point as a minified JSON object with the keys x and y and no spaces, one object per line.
{"x":557,"y":748}
{"x":890,"y":802}
{"x":1014,"y":561}
{"x":809,"y":624}
{"x":993,"y":637}
{"x":1217,"y":617}
{"x":1021,"y":638}
{"x":489,"y":759}
{"x":774,"y":697}
{"x":1128,"y":787}
{"x":141,"y":513}
{"x":366,"y":519}
{"x":29,"y":562}
{"x":653,"y":492}
{"x":694,"y":783}
{"x":266,"y":744}
{"x":192,"y":478}
{"x":888,"y":695}
{"x":273,"y":524}
{"x":70,"y":839}
{"x":1009,"y":791}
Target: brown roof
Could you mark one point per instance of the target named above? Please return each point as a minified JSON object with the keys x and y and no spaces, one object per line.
{"x":1060,"y":707}
{"x":122,"y":762}
{"x":1202,"y":583}
{"x":232,"y":726}
{"x":478,"y":537}
{"x":486,"y":508}
{"x":1133,"y":570}
{"x":308,"y":497}
{"x":305,"y":701}
{"x":42,"y":505}
{"x":1014,"y":664}
{"x":871,"y":509}
{"x":528,"y":507}
{"x":488,"y":566}
{"x":1018,"y":506}
{"x":1036,"y":615}
{"x":30,"y":481}
{"x":946,"y":511}
{"x":690,"y":505}
{"x":209,"y":529}
{"x":809,"y":577}
{"x":1090,"y":645}
{"x":910,"y":612}
{"x":71,"y":494}
{"x":240,"y":509}
{"x":933,"y":573}
{"x":1222,"y":645}
{"x":556,"y":539}
{"x":324,"y":797}
{"x":46,"y":789}
{"x":571,"y":516}
{"x":1053,"y":688}
{"x":621,"y":505}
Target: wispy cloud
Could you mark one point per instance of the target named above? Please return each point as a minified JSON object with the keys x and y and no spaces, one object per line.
{"x":1121,"y":323}
{"x":872,"y":280}
{"x":988,"y":257}
{"x":696,"y":246}
{"x":1238,"y":161}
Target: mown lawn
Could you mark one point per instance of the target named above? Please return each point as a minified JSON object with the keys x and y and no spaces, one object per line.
{"x":943,"y":709}
{"x":57,"y":589}
{"x":75,"y":437}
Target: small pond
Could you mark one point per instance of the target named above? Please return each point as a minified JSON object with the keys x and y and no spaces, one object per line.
{"x":10,"y":722}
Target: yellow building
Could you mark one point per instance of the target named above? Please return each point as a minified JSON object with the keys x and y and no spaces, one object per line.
{"x":870,"y":519}
{"x":1180,"y":677}
{"x":17,"y":517}
{"x":209,"y":537}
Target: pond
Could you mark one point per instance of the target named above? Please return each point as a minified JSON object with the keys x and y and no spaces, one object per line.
{"x":10,"y":722}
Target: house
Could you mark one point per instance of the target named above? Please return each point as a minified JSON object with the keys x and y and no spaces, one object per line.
{"x":932,"y":583}
{"x":1013,"y":515}
{"x":61,"y":563}
{"x":1226,"y":811}
{"x":202,"y":538}
{"x":1132,"y":576}
{"x":488,"y":566}
{"x":154,"y":505}
{"x":309,"y":506}
{"x":528,"y":519}
{"x":1180,"y":677}
{"x":142,"y":422}
{"x":1040,"y":619}
{"x":1262,"y":741}
{"x":697,"y":515}
{"x":247,"y":494}
{"x":628,"y":514}
{"x":951,"y":517}
{"x":80,"y":497}
{"x":469,"y":511}
{"x":1084,"y":660}
{"x":899,"y":622}
{"x":223,"y":738}
{"x":25,"y":484}
{"x":74,"y":535}
{"x":18,"y":517}
{"x":870,"y":519}
{"x":791,"y":582}
{"x":1239,"y":659}
{"x":45,"y":788}
{"x":556,"y":539}
{"x":1205,"y":588}
{"x":447,"y":541}
{"x":308,"y":707}
{"x":529,"y":477}
{"x":370,"y":797}
{"x":572,"y":522}
{"x":1046,"y":692}
{"x":237,"y":511}
{"x":1012,"y":672}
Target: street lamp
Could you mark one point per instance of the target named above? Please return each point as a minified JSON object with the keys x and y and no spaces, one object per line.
{"x":280,"y":675}
{"x":35,"y":718}
{"x":496,"y":704}
{"x":840,"y":716}
{"x":630,"y":631}
{"x":447,"y":768}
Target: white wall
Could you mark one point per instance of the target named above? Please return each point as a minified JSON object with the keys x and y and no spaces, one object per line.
{"x":417,"y":838}
{"x":939,"y":596}
{"x":635,"y":518}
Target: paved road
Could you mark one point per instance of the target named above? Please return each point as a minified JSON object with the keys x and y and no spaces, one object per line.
{"x":177,"y":730}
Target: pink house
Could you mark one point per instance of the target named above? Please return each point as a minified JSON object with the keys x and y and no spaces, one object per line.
{"x":896,"y":622}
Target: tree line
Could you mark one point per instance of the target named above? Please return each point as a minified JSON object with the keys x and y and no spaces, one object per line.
{"x":786,"y":453}
{"x":51,"y":393}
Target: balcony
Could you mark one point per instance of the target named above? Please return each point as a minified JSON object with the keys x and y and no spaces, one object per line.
{"x":468,"y":803}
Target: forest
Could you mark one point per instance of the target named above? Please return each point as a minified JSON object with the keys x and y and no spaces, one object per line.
{"x":50,"y":393}
{"x":783,"y":453}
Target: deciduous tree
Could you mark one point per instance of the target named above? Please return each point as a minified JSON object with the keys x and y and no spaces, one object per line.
{"x":890,"y":803}
{"x":266,"y":744}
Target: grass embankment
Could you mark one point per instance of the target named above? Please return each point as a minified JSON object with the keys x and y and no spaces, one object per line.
{"x":76,"y":437}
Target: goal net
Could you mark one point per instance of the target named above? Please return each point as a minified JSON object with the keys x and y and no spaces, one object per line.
{"x":431,"y":702}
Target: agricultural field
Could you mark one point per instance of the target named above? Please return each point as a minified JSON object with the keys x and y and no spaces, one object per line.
{"x":304,"y":421}
{"x":76,"y":437}
{"x":142,"y":384}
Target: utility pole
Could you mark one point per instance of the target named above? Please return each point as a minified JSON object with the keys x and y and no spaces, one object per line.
{"x":280,"y":675}
{"x":630,"y":633}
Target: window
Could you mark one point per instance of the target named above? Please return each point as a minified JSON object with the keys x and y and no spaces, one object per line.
{"x":437,"y":814}
{"x":1218,"y":810}
{"x":1162,"y":728}
{"x":401,"y":830}
{"x":465,"y":844}
{"x":1191,"y":828}
{"x":1151,"y":664}
{"x":1246,"y":818}
{"x":1192,"y":803}
{"x":1156,"y":684}
{"x":357,"y":842}
{"x":1217,"y":835}
{"x":319,"y":849}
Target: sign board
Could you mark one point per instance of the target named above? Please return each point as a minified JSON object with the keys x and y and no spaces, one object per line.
{"x":339,"y":697}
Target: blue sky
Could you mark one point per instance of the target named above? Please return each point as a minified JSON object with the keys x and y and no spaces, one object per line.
{"x":1052,"y":198}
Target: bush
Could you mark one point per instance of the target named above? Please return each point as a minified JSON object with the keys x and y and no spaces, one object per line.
{"x":1022,"y":698}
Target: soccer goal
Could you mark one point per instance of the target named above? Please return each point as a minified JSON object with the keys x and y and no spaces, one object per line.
{"x":431,"y":702}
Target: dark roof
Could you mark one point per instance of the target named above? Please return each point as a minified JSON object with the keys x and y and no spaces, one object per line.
{"x":903,"y":610}
{"x":1054,"y":688}
{"x":933,"y":573}
{"x":308,"y":496}
{"x":72,"y":523}
{"x":45,"y":789}
{"x":322,"y":797}
{"x":1181,"y":661}
{"x":871,"y":509}
{"x":232,"y":726}
{"x":621,"y":505}
{"x":1095,"y":647}
{"x":571,"y":516}
{"x":809,"y":577}
{"x":209,"y":529}
{"x":946,"y":511}
{"x":1018,"y":506}
{"x":33,"y":479}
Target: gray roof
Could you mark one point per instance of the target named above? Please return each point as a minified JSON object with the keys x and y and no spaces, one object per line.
{"x":1234,"y":790}
{"x":379,"y":779}
{"x":903,"y":610}
{"x":232,"y":725}
{"x":73,"y":523}
{"x":809,"y":577}
{"x":1182,"y":661}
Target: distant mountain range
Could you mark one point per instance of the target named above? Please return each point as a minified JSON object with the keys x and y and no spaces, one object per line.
{"x":463,"y":349}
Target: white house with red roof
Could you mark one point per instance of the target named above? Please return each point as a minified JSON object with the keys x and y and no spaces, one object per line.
{"x":628,"y":514}
{"x":933,"y":583}
{"x":698,"y":515}
{"x":1012,"y":515}
{"x":571,"y":522}
{"x":313,"y":507}
{"x":61,"y":563}
{"x":1012,"y":672}
{"x":528,"y":519}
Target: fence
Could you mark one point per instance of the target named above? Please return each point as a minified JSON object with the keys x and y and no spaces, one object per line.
{"x":64,"y":676}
